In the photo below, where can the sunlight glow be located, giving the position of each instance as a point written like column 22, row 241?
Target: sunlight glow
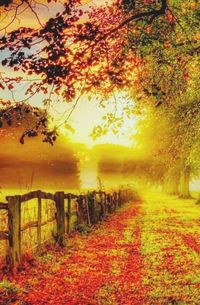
column 88, row 171
column 88, row 114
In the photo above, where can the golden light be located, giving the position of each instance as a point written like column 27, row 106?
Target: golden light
column 88, row 171
column 87, row 115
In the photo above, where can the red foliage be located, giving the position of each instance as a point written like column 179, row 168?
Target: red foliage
column 87, row 274
column 191, row 242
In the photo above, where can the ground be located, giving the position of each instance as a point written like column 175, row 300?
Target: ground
column 148, row 252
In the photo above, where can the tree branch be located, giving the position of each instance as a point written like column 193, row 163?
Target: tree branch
column 152, row 13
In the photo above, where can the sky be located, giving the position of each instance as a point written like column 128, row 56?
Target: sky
column 44, row 11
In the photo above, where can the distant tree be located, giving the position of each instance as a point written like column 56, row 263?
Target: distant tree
column 187, row 141
column 172, row 141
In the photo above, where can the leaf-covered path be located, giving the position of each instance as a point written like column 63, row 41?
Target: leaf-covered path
column 146, row 253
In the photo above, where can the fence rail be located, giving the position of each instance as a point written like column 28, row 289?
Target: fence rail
column 90, row 209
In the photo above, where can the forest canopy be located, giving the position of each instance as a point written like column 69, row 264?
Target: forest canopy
column 103, row 48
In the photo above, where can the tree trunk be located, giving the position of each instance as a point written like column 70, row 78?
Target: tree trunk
column 184, row 182
column 171, row 182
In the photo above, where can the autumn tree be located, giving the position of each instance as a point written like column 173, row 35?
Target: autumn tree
column 172, row 141
column 187, row 142
column 25, row 121
column 70, row 56
column 167, row 82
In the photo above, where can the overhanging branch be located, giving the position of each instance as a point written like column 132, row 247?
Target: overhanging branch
column 152, row 13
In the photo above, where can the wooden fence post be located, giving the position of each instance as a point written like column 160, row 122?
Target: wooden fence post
column 60, row 217
column 39, row 219
column 103, row 212
column 120, row 197
column 68, row 213
column 105, row 202
column 81, row 209
column 109, row 203
column 14, row 229
column 126, row 196
column 115, row 200
column 87, row 210
column 122, row 193
column 95, row 207
column 91, row 206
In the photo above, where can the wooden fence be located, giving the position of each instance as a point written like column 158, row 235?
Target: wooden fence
column 91, row 208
